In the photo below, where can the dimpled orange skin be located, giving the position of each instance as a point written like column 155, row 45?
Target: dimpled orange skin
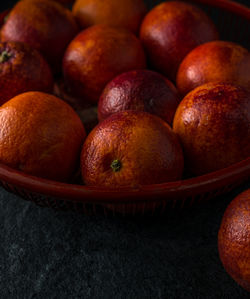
column 214, row 61
column 45, row 25
column 40, row 135
column 171, row 30
column 98, row 54
column 234, row 239
column 123, row 13
column 213, row 124
column 140, row 90
column 23, row 69
column 147, row 150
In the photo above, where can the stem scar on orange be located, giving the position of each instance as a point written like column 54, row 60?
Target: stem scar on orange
column 45, row 25
column 22, row 69
column 131, row 148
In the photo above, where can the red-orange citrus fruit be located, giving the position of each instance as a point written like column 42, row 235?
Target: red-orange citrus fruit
column 234, row 239
column 119, row 13
column 131, row 148
column 22, row 69
column 40, row 135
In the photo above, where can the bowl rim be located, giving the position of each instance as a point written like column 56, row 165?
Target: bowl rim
column 169, row 190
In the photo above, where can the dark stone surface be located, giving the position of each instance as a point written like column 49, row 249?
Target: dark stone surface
column 51, row 254
column 45, row 253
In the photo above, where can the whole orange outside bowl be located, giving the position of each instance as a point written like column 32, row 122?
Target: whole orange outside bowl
column 233, row 22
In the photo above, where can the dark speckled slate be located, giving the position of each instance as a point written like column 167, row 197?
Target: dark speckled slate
column 49, row 254
column 44, row 253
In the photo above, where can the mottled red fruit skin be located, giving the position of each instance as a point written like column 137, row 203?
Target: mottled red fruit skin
column 212, row 62
column 212, row 122
column 98, row 54
column 171, row 30
column 45, row 25
column 234, row 239
column 24, row 70
column 145, row 145
column 140, row 90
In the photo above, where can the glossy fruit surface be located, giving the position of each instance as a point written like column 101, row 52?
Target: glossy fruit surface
column 172, row 29
column 122, row 13
column 45, row 25
column 212, row 62
column 22, row 69
column 213, row 123
column 140, row 90
column 234, row 239
column 131, row 148
column 98, row 54
column 40, row 135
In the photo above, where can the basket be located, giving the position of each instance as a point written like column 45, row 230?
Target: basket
column 233, row 22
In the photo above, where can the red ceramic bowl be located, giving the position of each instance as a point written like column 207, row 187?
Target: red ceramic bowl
column 233, row 22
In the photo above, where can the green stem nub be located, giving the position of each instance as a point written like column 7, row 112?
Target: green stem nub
column 6, row 18
column 116, row 165
column 4, row 56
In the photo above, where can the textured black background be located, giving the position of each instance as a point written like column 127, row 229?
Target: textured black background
column 51, row 254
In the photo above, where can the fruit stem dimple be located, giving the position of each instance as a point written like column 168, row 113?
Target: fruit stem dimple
column 116, row 165
column 4, row 56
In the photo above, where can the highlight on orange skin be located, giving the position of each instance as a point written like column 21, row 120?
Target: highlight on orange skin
column 141, row 90
column 212, row 122
column 214, row 61
column 171, row 30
